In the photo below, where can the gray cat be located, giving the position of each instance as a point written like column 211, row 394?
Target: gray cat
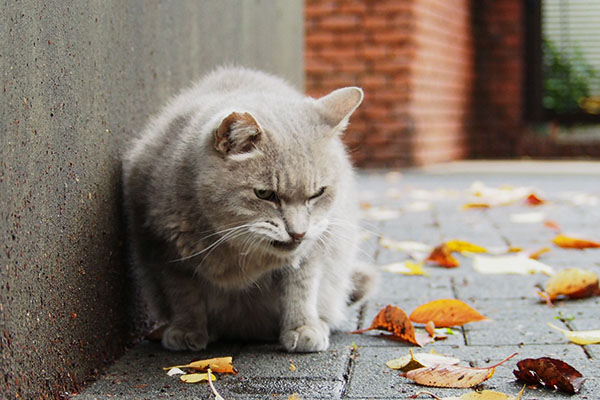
column 242, row 213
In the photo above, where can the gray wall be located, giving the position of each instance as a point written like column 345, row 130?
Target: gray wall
column 77, row 79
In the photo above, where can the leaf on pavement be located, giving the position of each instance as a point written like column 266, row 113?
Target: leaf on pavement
column 464, row 246
column 196, row 378
column 536, row 254
column 478, row 395
column 549, row 372
column 580, row 337
column 392, row 319
column 415, row 250
column 477, row 205
column 405, row 267
column 222, row 365
column 452, row 376
column 420, row 360
column 527, row 218
column 442, row 256
column 445, row 313
column 574, row 283
column 568, row 242
column 379, row 213
column 509, row 264
column 534, row 200
column 552, row 225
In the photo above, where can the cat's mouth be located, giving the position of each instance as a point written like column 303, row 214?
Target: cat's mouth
column 286, row 246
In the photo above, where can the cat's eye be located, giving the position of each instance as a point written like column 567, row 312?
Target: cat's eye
column 265, row 194
column 318, row 194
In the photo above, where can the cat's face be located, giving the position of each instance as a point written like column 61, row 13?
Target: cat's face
column 278, row 182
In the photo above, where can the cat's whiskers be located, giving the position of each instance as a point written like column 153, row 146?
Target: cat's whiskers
column 328, row 233
column 229, row 234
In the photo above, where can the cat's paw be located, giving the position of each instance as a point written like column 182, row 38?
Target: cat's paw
column 306, row 338
column 177, row 339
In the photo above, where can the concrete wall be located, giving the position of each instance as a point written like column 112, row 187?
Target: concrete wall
column 78, row 78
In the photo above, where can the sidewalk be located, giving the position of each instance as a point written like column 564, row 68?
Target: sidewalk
column 430, row 204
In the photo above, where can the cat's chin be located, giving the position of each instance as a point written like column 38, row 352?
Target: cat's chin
column 284, row 248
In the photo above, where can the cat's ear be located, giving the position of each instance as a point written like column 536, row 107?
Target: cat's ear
column 338, row 106
column 238, row 133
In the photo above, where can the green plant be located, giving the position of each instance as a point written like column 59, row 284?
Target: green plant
column 568, row 78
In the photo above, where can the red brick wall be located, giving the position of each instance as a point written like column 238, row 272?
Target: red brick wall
column 442, row 79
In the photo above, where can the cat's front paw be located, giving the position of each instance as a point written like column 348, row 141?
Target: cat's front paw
column 177, row 339
column 306, row 338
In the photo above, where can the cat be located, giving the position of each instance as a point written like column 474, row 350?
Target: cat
column 242, row 213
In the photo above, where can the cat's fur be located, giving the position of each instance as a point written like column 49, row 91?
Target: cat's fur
column 214, row 259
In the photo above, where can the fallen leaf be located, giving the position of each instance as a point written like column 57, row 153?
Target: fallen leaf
column 453, row 376
column 534, row 200
column 420, row 360
column 568, row 242
column 580, row 337
column 392, row 319
column 574, row 283
column 379, row 213
column 415, row 250
column 479, row 395
column 445, row 313
column 551, row 373
column 405, row 267
column 175, row 371
column 292, row 366
column 510, row 264
column 552, row 225
column 442, row 256
column 196, row 378
column 527, row 218
column 295, row 396
column 222, row 365
column 430, row 328
column 468, row 206
column 536, row 254
column 464, row 246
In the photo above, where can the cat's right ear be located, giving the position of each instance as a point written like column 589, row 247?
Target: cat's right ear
column 238, row 133
column 338, row 106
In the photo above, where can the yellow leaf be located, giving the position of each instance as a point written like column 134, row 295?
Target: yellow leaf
column 568, row 242
column 405, row 267
column 475, row 206
column 574, row 283
column 462, row 246
column 479, row 395
column 580, row 337
column 222, row 365
column 197, row 377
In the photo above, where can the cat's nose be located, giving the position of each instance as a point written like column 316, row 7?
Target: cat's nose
column 297, row 236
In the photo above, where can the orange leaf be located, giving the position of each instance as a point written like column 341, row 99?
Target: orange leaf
column 445, row 313
column 223, row 365
column 392, row 319
column 536, row 254
column 534, row 200
column 430, row 328
column 552, row 225
column 568, row 242
column 574, row 283
column 442, row 256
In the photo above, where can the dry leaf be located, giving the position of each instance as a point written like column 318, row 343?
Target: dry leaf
column 295, row 396
column 430, row 328
column 580, row 337
column 551, row 373
column 568, row 242
column 527, row 218
column 392, row 319
column 464, row 246
column 452, row 376
column 482, row 395
column 420, row 360
column 379, row 213
column 405, row 267
column 415, row 250
column 476, row 206
column 222, row 365
column 442, row 256
column 511, row 264
column 552, row 225
column 445, row 313
column 175, row 371
column 196, row 378
column 534, row 200
column 536, row 254
column 574, row 283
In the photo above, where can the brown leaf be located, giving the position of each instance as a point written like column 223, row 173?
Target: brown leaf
column 574, row 283
column 445, row 313
column 551, row 373
column 392, row 319
column 442, row 256
column 452, row 376
column 568, row 242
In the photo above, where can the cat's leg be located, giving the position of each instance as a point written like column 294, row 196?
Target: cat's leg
column 188, row 329
column 301, row 328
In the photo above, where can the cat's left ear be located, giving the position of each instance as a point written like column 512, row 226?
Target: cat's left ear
column 338, row 106
column 237, row 134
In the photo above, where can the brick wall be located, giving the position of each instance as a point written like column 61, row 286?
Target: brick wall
column 442, row 79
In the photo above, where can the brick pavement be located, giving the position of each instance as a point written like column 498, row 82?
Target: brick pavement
column 354, row 367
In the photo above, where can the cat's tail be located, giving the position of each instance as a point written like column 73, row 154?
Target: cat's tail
column 364, row 281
